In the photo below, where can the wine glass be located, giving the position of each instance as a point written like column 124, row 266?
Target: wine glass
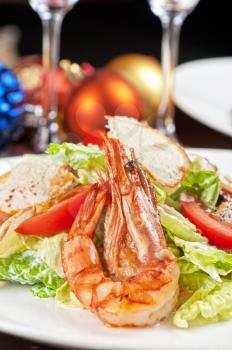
column 51, row 13
column 172, row 13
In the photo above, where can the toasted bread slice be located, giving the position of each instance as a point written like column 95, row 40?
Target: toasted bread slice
column 164, row 159
column 34, row 180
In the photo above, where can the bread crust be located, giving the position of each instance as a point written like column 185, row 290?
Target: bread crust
column 153, row 134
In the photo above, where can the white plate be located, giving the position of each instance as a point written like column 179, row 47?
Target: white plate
column 22, row 314
column 203, row 90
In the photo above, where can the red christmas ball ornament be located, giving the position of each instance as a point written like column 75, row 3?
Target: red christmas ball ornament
column 100, row 94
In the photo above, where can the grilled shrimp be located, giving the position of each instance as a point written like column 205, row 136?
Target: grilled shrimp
column 138, row 283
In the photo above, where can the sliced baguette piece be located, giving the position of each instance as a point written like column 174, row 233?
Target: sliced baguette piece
column 34, row 180
column 164, row 159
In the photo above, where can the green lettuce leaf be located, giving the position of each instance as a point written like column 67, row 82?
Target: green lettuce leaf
column 202, row 285
column 27, row 268
column 171, row 245
column 41, row 291
column 210, row 302
column 65, row 296
column 176, row 224
column 191, row 277
column 160, row 194
column 213, row 261
column 186, row 267
column 205, row 184
column 205, row 277
column 49, row 250
column 86, row 160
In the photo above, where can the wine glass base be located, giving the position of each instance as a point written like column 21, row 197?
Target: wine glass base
column 167, row 128
column 42, row 138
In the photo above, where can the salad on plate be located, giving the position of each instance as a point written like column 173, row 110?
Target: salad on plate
column 133, row 229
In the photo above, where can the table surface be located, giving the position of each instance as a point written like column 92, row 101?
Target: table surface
column 190, row 133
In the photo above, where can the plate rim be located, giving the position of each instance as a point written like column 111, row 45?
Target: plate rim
column 179, row 101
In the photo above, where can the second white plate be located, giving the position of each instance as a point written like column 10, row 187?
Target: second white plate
column 203, row 90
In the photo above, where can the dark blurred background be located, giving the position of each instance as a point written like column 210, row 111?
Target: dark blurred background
column 97, row 30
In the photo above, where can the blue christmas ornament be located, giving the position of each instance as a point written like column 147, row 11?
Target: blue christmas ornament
column 12, row 105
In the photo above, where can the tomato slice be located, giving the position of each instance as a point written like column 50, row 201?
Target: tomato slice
column 95, row 137
column 58, row 218
column 219, row 233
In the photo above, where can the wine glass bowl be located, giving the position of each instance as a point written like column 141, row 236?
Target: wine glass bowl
column 43, row 7
column 162, row 7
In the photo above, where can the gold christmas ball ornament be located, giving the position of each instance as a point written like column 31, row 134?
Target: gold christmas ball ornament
column 145, row 74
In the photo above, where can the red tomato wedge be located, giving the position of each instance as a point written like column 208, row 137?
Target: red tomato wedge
column 219, row 233
column 58, row 218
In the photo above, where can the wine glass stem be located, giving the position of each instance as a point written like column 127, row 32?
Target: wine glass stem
column 51, row 46
column 169, row 54
column 51, row 40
